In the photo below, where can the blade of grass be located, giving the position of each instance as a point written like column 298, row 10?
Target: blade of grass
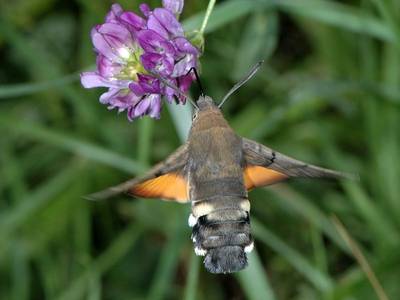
column 34, row 59
column 261, row 32
column 11, row 220
column 320, row 254
column 192, row 277
column 249, row 117
column 94, row 289
column 207, row 15
column 23, row 89
column 288, row 197
column 146, row 126
column 223, row 13
column 375, row 216
column 254, row 279
column 115, row 252
column 12, row 172
column 388, row 13
column 339, row 15
column 298, row 261
column 20, row 274
column 361, row 260
column 182, row 118
column 79, row 147
column 376, row 220
column 327, row 12
column 168, row 262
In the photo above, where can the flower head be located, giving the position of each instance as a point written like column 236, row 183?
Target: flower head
column 134, row 52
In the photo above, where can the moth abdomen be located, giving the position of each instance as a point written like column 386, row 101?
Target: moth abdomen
column 222, row 234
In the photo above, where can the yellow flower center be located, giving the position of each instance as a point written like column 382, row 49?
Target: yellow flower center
column 133, row 64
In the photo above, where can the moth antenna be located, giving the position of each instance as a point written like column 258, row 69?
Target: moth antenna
column 194, row 70
column 252, row 72
column 175, row 88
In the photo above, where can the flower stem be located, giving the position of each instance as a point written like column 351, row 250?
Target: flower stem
column 210, row 7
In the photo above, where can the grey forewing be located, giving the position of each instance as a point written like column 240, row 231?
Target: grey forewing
column 175, row 162
column 260, row 155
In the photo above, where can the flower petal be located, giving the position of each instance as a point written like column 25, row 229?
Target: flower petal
column 155, row 106
column 168, row 21
column 145, row 9
column 183, row 66
column 109, row 39
column 170, row 92
column 150, row 105
column 151, row 41
column 101, row 45
column 106, row 97
column 118, row 34
column 92, row 79
column 184, row 46
column 114, row 13
column 174, row 6
column 119, row 98
column 106, row 67
column 147, row 84
column 142, row 107
column 150, row 84
column 161, row 64
column 136, row 88
column 185, row 82
column 154, row 24
column 133, row 20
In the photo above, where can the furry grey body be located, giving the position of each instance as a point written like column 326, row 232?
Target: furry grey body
column 218, row 196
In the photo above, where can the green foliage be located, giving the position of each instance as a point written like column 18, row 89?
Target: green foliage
column 328, row 94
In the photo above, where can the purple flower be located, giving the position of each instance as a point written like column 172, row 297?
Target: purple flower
column 134, row 52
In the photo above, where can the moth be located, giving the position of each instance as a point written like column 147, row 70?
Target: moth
column 213, row 171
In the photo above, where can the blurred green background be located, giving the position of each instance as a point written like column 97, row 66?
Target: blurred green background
column 328, row 94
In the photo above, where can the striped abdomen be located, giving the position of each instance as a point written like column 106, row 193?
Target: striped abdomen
column 221, row 232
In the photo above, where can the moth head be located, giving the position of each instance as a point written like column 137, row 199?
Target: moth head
column 205, row 103
column 206, row 113
column 205, row 107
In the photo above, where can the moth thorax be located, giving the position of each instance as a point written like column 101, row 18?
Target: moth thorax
column 221, row 233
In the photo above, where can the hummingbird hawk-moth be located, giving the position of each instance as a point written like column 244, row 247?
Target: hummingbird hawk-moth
column 214, row 170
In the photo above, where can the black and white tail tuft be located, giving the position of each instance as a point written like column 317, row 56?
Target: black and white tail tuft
column 223, row 237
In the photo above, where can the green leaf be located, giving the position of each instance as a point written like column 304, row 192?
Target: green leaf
column 23, row 89
column 15, row 217
column 254, row 279
column 192, row 277
column 222, row 14
column 76, row 146
column 339, row 15
column 289, row 198
column 146, row 129
column 385, row 232
column 261, row 32
column 182, row 118
column 168, row 262
column 298, row 261
column 327, row 12
column 116, row 251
